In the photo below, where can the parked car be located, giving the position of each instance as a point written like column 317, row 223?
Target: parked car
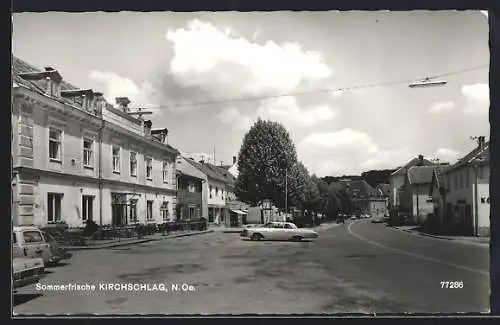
column 34, row 243
column 279, row 231
column 25, row 271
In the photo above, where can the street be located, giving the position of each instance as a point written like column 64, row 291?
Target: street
column 354, row 267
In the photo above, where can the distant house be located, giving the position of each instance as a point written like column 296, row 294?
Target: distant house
column 415, row 195
column 233, row 168
column 384, row 190
column 215, row 189
column 461, row 193
column 398, row 178
column 191, row 201
column 365, row 198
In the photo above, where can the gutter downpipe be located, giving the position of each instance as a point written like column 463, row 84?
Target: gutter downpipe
column 100, row 170
column 476, row 202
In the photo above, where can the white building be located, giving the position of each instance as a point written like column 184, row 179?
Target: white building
column 461, row 193
column 76, row 158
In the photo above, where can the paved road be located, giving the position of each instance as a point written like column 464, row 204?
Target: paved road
column 361, row 267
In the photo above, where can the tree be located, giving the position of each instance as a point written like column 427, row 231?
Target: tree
column 266, row 153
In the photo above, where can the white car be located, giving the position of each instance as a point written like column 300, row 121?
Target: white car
column 279, row 231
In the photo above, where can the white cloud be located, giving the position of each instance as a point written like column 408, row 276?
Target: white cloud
column 216, row 61
column 447, row 155
column 117, row 86
column 476, row 98
column 336, row 93
column 284, row 110
column 347, row 152
column 287, row 111
column 234, row 118
column 441, row 107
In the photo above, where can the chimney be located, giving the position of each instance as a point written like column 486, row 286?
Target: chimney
column 420, row 160
column 234, row 160
column 481, row 141
column 202, row 161
column 147, row 129
column 122, row 103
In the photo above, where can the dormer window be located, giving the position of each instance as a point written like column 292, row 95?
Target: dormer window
column 50, row 78
column 82, row 97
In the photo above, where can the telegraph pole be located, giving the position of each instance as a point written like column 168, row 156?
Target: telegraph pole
column 286, row 193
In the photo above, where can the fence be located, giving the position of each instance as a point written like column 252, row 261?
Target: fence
column 83, row 237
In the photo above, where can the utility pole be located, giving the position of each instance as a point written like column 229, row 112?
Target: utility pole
column 215, row 163
column 286, row 193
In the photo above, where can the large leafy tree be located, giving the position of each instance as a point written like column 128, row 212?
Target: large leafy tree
column 266, row 153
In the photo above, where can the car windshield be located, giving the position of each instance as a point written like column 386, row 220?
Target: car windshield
column 290, row 226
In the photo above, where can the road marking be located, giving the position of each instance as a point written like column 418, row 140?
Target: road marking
column 425, row 258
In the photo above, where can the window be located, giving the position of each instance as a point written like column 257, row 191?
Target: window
column 133, row 163
column 149, row 210
column 287, row 226
column 116, row 159
column 54, row 207
column 88, row 152
column 14, row 238
column 216, row 191
column 149, row 168
column 165, row 172
column 32, row 236
column 222, row 193
column 133, row 210
column 191, row 213
column 87, row 207
column 191, row 187
column 55, row 143
column 210, row 191
column 164, row 211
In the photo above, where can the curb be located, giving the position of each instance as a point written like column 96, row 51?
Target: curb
column 140, row 241
column 442, row 238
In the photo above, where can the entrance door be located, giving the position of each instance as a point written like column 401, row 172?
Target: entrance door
column 469, row 224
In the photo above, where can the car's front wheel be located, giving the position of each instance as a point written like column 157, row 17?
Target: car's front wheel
column 296, row 238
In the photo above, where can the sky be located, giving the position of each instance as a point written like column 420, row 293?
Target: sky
column 243, row 63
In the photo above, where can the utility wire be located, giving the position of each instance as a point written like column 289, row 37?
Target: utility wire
column 377, row 85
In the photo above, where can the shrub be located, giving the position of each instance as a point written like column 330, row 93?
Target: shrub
column 90, row 228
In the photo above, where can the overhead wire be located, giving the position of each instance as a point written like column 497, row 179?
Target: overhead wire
column 341, row 89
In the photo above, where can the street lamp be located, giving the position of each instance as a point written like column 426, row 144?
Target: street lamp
column 427, row 82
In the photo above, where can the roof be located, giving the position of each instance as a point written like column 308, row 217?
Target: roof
column 423, row 174
column 414, row 162
column 207, row 170
column 482, row 153
column 361, row 189
column 185, row 168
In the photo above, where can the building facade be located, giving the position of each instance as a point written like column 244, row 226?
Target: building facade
column 77, row 158
column 190, row 202
column 461, row 193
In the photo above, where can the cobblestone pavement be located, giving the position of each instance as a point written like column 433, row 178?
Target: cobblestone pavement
column 356, row 267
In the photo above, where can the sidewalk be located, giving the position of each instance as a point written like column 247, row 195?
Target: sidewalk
column 130, row 241
column 482, row 241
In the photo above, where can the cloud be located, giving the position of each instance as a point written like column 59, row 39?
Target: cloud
column 233, row 117
column 476, row 99
column 441, row 107
column 285, row 110
column 143, row 95
column 336, row 93
column 447, row 155
column 347, row 152
column 218, row 62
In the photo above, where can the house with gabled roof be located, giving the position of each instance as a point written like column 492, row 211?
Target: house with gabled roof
column 398, row 178
column 415, row 198
column 366, row 199
column 461, row 193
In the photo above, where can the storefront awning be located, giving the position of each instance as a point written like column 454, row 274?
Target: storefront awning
column 238, row 212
